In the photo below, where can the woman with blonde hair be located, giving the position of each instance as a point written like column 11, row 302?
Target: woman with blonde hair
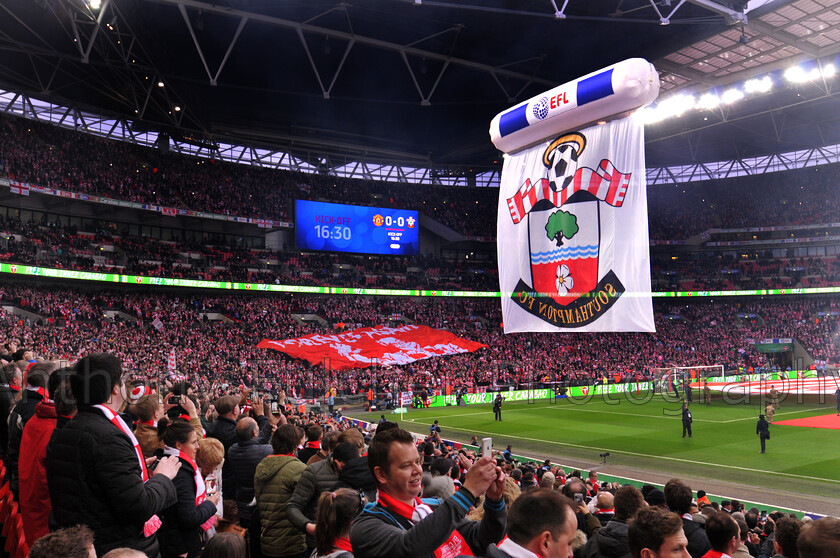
column 209, row 458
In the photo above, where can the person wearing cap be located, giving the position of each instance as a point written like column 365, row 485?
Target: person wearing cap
column 762, row 430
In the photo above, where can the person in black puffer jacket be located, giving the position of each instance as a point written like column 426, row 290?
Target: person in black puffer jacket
column 185, row 522
column 95, row 471
column 611, row 540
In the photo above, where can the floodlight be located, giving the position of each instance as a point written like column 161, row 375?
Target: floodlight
column 708, row 101
column 762, row 85
column 650, row 115
column 94, row 4
column 797, row 74
column 677, row 105
column 732, row 95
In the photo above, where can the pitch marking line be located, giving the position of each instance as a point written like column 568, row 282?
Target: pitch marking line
column 596, row 411
column 637, row 454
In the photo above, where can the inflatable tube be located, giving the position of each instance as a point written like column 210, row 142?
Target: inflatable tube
column 616, row 89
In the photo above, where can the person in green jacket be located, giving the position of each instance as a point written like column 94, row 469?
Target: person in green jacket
column 274, row 483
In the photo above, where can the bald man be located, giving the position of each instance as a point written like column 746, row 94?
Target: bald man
column 605, row 507
column 243, row 457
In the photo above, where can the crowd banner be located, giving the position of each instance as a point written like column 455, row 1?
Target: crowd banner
column 363, row 347
column 572, row 235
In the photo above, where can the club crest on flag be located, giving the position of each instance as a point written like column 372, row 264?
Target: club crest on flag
column 562, row 213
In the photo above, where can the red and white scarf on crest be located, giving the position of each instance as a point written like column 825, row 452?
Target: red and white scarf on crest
column 153, row 523
column 200, row 487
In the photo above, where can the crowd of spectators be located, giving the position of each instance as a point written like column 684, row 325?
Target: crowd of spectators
column 51, row 245
column 57, row 158
column 49, row 156
column 71, row 323
column 710, row 271
column 110, row 467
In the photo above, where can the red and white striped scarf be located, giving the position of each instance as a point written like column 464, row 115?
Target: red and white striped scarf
column 412, row 513
column 153, row 523
column 200, row 486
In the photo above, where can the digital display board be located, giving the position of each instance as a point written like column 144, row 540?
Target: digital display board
column 353, row 228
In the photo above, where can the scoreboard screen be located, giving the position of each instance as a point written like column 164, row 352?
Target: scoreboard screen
column 336, row 227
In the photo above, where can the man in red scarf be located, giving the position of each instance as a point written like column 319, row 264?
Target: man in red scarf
column 95, row 469
column 401, row 525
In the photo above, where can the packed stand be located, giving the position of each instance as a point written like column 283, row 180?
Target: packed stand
column 112, row 468
column 54, row 157
column 146, row 329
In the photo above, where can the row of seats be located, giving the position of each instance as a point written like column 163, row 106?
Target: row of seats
column 11, row 533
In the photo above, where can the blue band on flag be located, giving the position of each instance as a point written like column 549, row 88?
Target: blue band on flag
column 594, row 88
column 513, row 120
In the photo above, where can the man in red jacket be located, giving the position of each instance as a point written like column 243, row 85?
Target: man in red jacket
column 35, row 504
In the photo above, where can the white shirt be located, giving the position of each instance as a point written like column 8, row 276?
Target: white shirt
column 514, row 550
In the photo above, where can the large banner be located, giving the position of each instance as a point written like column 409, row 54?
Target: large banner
column 368, row 346
column 572, row 233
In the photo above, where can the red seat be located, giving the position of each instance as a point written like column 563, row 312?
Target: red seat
column 19, row 540
column 7, row 518
column 14, row 535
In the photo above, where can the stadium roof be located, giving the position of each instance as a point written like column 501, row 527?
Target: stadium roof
column 418, row 80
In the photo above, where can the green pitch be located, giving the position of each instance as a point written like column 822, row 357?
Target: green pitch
column 649, row 436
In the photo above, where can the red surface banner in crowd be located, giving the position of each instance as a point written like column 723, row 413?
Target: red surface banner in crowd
column 380, row 345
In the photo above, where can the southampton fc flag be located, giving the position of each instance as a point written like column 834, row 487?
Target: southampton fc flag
column 573, row 235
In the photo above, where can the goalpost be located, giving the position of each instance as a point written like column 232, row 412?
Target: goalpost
column 685, row 377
